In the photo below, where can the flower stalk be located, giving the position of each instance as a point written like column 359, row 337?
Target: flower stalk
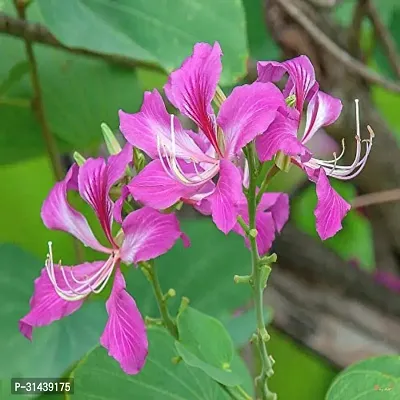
column 151, row 274
column 258, row 280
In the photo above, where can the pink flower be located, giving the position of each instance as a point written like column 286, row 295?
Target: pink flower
column 272, row 214
column 185, row 163
column 322, row 110
column 61, row 290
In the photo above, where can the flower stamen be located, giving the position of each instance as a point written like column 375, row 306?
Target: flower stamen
column 171, row 165
column 90, row 284
column 346, row 172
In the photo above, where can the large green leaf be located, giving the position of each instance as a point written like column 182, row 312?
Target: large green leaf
column 354, row 241
column 310, row 375
column 54, row 348
column 242, row 326
column 204, row 343
column 26, row 186
column 372, row 379
column 261, row 43
column 153, row 31
column 203, row 272
column 99, row 376
column 79, row 93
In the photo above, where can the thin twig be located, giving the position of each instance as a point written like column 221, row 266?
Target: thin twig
column 370, row 199
column 341, row 55
column 35, row 32
column 385, row 37
column 356, row 28
column 38, row 106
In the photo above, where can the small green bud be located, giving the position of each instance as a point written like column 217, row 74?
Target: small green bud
column 264, row 275
column 219, row 97
column 272, row 360
column 268, row 260
column 79, row 159
column 112, row 143
column 291, row 100
column 139, row 159
column 226, row 366
column 152, row 321
column 253, row 233
column 242, row 279
column 283, row 162
column 171, row 293
column 184, row 304
column 263, row 334
column 254, row 338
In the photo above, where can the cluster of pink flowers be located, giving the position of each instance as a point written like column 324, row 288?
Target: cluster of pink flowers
column 206, row 169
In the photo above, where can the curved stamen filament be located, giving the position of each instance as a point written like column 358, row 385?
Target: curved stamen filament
column 346, row 172
column 94, row 283
column 171, row 165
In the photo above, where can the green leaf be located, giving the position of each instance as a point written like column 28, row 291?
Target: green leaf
column 372, row 379
column 261, row 44
column 354, row 241
column 162, row 34
column 204, row 343
column 20, row 135
column 99, row 376
column 79, row 93
column 242, row 326
column 27, row 185
column 203, row 272
column 54, row 348
column 14, row 75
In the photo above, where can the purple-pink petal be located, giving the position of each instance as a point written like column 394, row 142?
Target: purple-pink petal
column 155, row 188
column 226, row 196
column 265, row 231
column 148, row 234
column 153, row 123
column 117, row 212
column 323, row 110
column 301, row 81
column 278, row 205
column 191, row 87
column 246, row 113
column 281, row 136
column 125, row 335
column 95, row 179
column 265, row 226
column 46, row 306
column 57, row 213
column 331, row 207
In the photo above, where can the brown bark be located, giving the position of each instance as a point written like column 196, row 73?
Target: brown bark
column 310, row 260
column 332, row 324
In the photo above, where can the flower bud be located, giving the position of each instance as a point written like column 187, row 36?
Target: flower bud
column 112, row 144
column 79, row 159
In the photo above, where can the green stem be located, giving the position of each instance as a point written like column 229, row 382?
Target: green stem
column 160, row 298
column 257, row 283
column 243, row 393
column 49, row 140
column 17, row 102
column 268, row 177
column 38, row 106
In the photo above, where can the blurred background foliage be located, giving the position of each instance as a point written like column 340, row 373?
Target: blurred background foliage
column 119, row 49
